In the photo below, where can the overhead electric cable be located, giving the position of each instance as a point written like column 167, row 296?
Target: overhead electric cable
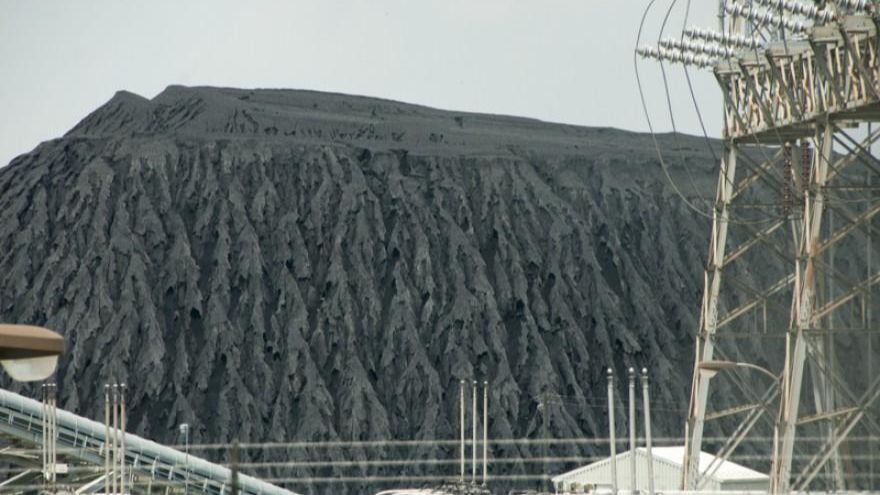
column 650, row 124
column 659, row 152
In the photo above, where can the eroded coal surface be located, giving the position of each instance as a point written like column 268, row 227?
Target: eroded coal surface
column 289, row 265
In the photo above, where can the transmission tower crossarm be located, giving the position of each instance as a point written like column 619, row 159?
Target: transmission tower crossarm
column 858, row 62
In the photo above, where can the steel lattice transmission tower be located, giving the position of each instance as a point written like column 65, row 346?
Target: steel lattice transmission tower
column 789, row 274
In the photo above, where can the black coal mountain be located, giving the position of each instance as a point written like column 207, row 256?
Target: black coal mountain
column 276, row 265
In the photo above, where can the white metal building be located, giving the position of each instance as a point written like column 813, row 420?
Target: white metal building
column 729, row 476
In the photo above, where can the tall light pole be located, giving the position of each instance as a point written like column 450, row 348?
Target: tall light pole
column 485, row 432
column 463, row 406
column 184, row 430
column 474, row 442
column 612, row 441
column 543, row 409
column 107, row 453
column 632, row 432
column 122, row 422
column 648, row 441
column 114, row 392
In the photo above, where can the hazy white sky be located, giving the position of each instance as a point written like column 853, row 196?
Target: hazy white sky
column 557, row 60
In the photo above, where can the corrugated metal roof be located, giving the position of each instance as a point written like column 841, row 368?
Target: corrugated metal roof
column 727, row 471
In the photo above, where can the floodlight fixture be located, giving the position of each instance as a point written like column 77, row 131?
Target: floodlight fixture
column 710, row 368
column 29, row 353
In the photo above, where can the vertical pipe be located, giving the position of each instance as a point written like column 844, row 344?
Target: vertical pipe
column 544, row 408
column 647, row 407
column 186, row 453
column 50, row 445
column 462, row 425
column 45, row 446
column 233, row 461
column 106, row 438
column 632, row 431
column 612, row 440
column 49, row 433
column 115, row 393
column 54, row 437
column 474, row 444
column 867, row 312
column 122, row 420
column 485, row 432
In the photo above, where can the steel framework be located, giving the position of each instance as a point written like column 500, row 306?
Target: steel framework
column 82, row 444
column 789, row 275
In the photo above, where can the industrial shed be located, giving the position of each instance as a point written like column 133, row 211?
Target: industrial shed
column 730, row 476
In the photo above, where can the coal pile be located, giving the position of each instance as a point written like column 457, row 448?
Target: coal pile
column 276, row 265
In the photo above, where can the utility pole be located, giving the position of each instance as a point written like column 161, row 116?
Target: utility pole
column 648, row 441
column 44, row 450
column 474, row 443
column 114, row 389
column 485, row 433
column 106, row 446
column 233, row 463
column 184, row 430
column 612, row 440
column 633, row 484
column 462, row 406
column 122, row 422
column 543, row 408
